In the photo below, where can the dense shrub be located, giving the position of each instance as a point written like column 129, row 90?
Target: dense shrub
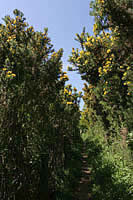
column 37, row 112
column 111, row 168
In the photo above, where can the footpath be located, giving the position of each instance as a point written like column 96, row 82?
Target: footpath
column 82, row 192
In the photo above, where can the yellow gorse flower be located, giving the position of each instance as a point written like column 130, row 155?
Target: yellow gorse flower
column 64, row 77
column 108, row 51
column 65, row 91
column 105, row 92
column 81, row 52
column 87, row 53
column 14, row 21
column 86, row 62
column 73, row 50
column 8, row 75
column 89, row 38
column 125, row 74
column 13, row 75
column 128, row 82
column 69, row 103
column 100, row 1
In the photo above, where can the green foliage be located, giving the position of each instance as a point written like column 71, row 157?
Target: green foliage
column 110, row 165
column 35, row 113
column 113, row 13
column 105, row 63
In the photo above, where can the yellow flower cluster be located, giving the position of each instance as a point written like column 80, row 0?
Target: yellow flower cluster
column 69, row 103
column 12, row 50
column 94, row 28
column 102, row 39
column 9, row 74
column 69, row 92
column 124, row 74
column 14, row 22
column 65, row 91
column 54, row 55
column 107, row 67
column 100, row 1
column 87, row 53
column 31, row 29
column 100, row 71
column 11, row 38
column 64, row 77
column 90, row 41
column 81, row 53
column 127, row 83
column 86, row 62
column 105, row 89
column 109, row 50
column 102, row 46
column 73, row 50
column 105, row 92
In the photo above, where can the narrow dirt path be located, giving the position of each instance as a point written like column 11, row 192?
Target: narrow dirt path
column 82, row 192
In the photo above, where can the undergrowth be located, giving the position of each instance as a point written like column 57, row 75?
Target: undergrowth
column 111, row 167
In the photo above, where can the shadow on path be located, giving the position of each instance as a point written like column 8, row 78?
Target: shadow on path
column 82, row 192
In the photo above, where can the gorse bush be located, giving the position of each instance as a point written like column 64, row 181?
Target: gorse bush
column 104, row 60
column 37, row 114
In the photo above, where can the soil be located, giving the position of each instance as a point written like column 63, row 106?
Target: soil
column 82, row 192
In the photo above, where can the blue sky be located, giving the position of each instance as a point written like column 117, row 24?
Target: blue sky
column 63, row 18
